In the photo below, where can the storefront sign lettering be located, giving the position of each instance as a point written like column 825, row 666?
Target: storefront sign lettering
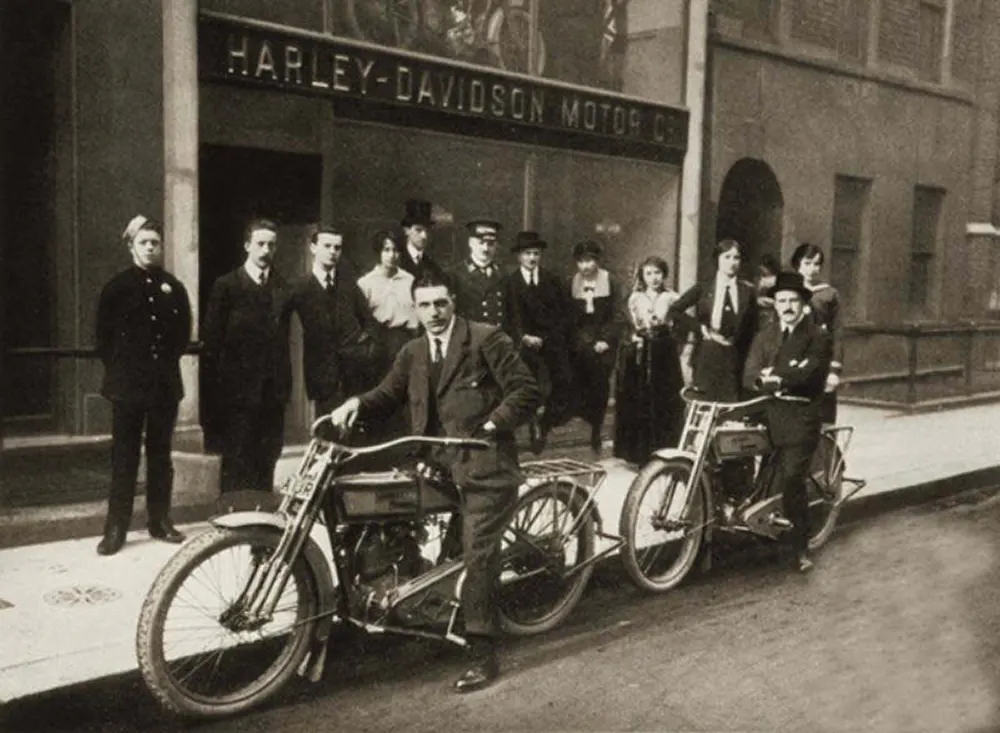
column 241, row 52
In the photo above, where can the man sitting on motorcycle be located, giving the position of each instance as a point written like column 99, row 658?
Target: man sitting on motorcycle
column 790, row 357
column 463, row 379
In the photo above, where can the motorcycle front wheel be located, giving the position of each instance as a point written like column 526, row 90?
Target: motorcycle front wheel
column 543, row 551
column 659, row 552
column 197, row 658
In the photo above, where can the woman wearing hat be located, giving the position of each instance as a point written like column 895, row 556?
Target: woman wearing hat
column 143, row 327
column 824, row 308
column 593, row 336
column 648, row 408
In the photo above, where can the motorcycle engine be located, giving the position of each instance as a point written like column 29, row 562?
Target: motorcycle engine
column 387, row 556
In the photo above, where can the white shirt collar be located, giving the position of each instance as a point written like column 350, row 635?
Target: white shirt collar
column 254, row 272
column 415, row 254
column 320, row 274
column 791, row 326
column 444, row 336
column 527, row 275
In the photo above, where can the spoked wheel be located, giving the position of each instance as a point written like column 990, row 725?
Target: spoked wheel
column 659, row 550
column 509, row 35
column 824, row 487
column 198, row 654
column 389, row 22
column 542, row 547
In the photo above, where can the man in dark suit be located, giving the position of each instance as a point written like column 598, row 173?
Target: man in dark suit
column 417, row 223
column 247, row 361
column 143, row 327
column 791, row 356
column 479, row 289
column 339, row 350
column 537, row 318
column 463, row 379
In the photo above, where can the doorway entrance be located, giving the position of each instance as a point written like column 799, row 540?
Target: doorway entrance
column 751, row 208
column 239, row 184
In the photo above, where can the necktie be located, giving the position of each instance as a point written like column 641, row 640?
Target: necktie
column 531, row 279
column 438, row 354
column 263, row 278
column 727, row 324
column 784, row 334
column 329, row 280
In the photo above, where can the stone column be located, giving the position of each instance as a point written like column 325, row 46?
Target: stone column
column 180, row 170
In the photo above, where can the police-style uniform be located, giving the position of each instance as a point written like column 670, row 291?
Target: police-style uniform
column 143, row 327
column 479, row 289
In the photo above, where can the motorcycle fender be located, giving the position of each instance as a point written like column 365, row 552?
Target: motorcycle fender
column 677, row 453
column 312, row 665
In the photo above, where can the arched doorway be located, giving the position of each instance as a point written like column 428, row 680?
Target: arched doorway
column 750, row 211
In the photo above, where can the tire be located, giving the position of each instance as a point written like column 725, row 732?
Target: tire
column 176, row 693
column 388, row 22
column 508, row 34
column 535, row 596
column 824, row 488
column 635, row 526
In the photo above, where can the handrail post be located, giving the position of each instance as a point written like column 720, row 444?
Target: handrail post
column 970, row 334
column 911, row 352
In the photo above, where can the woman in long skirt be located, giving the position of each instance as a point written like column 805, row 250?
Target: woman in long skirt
column 648, row 408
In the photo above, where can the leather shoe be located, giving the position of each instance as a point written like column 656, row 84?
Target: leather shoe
column 804, row 563
column 167, row 532
column 482, row 672
column 112, row 541
column 595, row 441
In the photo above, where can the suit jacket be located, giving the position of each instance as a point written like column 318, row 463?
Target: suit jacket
column 338, row 330
column 143, row 327
column 702, row 297
column 542, row 310
column 482, row 379
column 245, row 337
column 802, row 363
column 426, row 262
column 478, row 297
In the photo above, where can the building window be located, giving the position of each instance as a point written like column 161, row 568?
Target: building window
column 747, row 18
column 853, row 29
column 927, row 206
column 848, row 241
column 931, row 22
column 837, row 25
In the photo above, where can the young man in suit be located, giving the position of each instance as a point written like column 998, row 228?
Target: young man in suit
column 479, row 290
column 463, row 379
column 417, row 223
column 339, row 350
column 791, row 356
column 247, row 362
column 537, row 318
column 143, row 327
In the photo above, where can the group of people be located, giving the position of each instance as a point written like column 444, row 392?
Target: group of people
column 472, row 352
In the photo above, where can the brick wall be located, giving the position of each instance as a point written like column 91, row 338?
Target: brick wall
column 965, row 40
column 816, row 21
column 899, row 32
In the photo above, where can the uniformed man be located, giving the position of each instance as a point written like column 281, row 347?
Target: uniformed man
column 143, row 327
column 478, row 280
column 416, row 225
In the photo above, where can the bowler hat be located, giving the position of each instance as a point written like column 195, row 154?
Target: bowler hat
column 587, row 248
column 417, row 212
column 484, row 228
column 528, row 240
column 790, row 281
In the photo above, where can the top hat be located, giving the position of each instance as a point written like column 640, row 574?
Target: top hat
column 417, row 212
column 528, row 240
column 586, row 249
column 790, row 281
column 483, row 228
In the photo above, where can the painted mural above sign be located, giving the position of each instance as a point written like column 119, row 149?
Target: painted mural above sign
column 368, row 82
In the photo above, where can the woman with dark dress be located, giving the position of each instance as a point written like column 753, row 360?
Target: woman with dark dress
column 767, row 275
column 824, row 308
column 724, row 321
column 593, row 336
column 649, row 411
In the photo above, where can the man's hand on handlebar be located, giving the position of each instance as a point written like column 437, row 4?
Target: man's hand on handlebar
column 343, row 417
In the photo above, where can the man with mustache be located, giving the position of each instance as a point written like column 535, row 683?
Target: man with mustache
column 247, row 363
column 791, row 357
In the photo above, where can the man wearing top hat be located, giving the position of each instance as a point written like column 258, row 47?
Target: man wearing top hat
column 478, row 280
column 790, row 356
column 536, row 315
column 143, row 327
column 416, row 224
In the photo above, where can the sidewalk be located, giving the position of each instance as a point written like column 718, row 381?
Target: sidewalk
column 68, row 615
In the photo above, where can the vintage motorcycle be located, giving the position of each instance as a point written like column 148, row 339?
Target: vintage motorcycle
column 679, row 497
column 242, row 607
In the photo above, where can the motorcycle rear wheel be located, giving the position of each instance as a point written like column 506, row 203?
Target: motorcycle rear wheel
column 184, row 605
column 542, row 547
column 824, row 488
column 659, row 558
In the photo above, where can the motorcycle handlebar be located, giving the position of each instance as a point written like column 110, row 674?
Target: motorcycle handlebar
column 689, row 394
column 471, row 443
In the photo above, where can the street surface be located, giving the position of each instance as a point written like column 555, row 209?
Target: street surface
column 897, row 629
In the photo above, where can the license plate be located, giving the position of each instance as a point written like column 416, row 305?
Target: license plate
column 297, row 487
